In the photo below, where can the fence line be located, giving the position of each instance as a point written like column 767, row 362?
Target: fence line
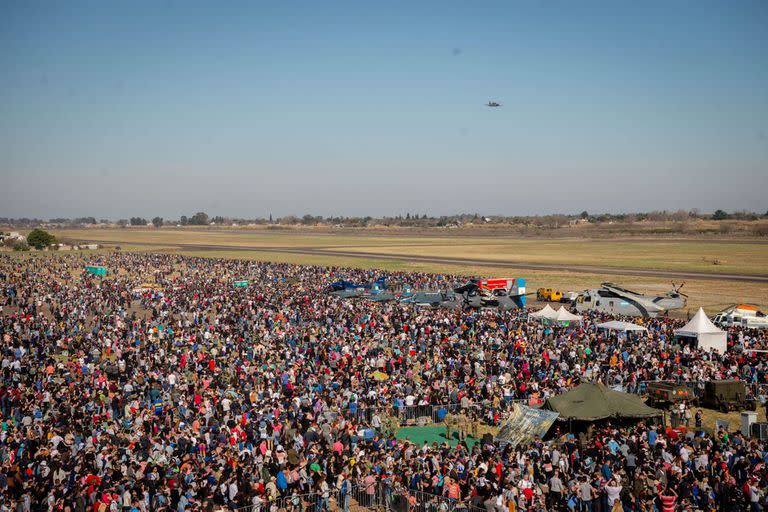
column 379, row 497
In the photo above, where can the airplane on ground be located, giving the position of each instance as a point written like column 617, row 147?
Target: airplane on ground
column 349, row 285
column 612, row 299
column 502, row 293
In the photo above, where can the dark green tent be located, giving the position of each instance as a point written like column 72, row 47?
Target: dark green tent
column 590, row 402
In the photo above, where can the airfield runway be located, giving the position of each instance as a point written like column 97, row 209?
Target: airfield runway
column 585, row 269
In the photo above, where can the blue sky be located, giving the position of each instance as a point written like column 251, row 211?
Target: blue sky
column 116, row 109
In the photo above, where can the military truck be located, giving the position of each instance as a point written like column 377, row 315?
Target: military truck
column 727, row 395
column 667, row 393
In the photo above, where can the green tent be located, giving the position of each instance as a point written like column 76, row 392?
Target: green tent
column 241, row 284
column 590, row 402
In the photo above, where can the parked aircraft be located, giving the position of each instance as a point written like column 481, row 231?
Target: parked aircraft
column 612, row 299
column 742, row 315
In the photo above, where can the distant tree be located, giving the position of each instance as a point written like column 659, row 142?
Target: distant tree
column 157, row 222
column 584, row 214
column 183, row 220
column 270, row 218
column 199, row 219
column 407, row 216
column 138, row 221
column 40, row 239
column 719, row 215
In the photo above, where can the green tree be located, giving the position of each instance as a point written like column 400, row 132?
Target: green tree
column 157, row 222
column 199, row 219
column 719, row 215
column 584, row 214
column 138, row 221
column 40, row 239
column 122, row 223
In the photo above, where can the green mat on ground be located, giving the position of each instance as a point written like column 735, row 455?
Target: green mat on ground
column 420, row 435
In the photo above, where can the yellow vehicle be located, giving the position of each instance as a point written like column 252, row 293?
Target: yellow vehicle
column 549, row 295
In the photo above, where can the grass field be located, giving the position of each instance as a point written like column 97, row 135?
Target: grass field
column 712, row 256
column 734, row 256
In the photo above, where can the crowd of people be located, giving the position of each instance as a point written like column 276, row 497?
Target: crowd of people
column 163, row 387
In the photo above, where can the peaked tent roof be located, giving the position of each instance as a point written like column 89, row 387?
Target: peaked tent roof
column 590, row 402
column 617, row 325
column 699, row 324
column 545, row 312
column 563, row 315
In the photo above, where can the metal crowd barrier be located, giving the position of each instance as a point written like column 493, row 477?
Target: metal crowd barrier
column 378, row 497
column 309, row 502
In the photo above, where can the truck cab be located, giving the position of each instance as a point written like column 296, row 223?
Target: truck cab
column 549, row 294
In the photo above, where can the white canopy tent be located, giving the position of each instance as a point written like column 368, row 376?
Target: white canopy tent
column 545, row 312
column 562, row 316
column 616, row 325
column 565, row 316
column 708, row 335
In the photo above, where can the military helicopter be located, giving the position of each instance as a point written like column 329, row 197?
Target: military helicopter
column 492, row 104
column 613, row 299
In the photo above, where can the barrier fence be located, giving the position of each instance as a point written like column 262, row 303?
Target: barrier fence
column 379, row 497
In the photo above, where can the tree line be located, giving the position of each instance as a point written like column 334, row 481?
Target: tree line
column 405, row 219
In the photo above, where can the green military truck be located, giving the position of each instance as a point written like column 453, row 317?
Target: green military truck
column 727, row 395
column 667, row 393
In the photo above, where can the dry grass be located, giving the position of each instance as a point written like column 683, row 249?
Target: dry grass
column 731, row 256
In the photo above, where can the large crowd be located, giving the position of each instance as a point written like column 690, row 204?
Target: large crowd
column 163, row 387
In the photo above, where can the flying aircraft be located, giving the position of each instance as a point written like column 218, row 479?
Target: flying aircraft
column 492, row 104
column 612, row 299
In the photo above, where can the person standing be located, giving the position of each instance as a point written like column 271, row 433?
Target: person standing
column 668, row 498
column 344, row 489
column 755, row 494
column 613, row 490
column 586, row 495
column 556, row 490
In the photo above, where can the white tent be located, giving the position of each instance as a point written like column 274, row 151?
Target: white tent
column 708, row 335
column 545, row 312
column 565, row 316
column 616, row 325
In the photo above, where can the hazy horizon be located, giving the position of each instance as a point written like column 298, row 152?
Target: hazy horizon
column 246, row 109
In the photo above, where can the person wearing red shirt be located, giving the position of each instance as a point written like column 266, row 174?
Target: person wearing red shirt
column 668, row 498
